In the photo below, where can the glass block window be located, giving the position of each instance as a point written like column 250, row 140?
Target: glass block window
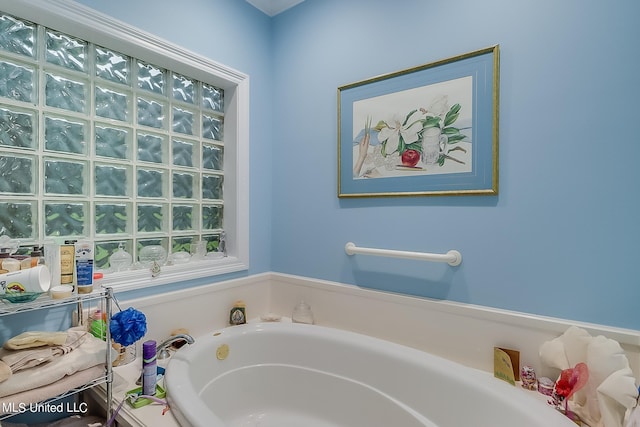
column 97, row 144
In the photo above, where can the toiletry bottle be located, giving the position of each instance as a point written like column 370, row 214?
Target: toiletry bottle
column 25, row 263
column 10, row 264
column 52, row 261
column 67, row 263
column 149, row 368
column 3, row 256
column 97, row 326
column 97, row 280
column 34, row 259
column 37, row 256
column 238, row 315
column 84, row 266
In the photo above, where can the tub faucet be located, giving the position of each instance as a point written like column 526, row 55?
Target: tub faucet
column 162, row 351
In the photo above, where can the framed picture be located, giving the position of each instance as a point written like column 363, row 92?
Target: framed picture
column 428, row 130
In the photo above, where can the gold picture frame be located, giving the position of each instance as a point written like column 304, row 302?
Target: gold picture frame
column 431, row 130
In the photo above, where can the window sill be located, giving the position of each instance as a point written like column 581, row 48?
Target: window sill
column 138, row 279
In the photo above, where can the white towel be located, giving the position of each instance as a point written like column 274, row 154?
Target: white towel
column 48, row 391
column 5, row 371
column 92, row 352
column 634, row 418
column 35, row 339
column 31, row 357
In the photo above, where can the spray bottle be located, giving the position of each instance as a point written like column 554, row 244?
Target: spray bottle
column 149, row 368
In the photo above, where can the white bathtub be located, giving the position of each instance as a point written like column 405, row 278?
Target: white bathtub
column 295, row 375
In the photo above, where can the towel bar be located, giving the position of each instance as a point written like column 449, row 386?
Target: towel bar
column 453, row 257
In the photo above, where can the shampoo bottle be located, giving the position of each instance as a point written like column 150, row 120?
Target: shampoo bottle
column 149, row 368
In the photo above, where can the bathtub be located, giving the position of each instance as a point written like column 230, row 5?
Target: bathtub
column 296, row 375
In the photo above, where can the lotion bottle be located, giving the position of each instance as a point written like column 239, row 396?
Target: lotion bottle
column 84, row 266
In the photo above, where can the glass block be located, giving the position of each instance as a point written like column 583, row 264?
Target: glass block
column 111, row 180
column 64, row 93
column 17, row 128
column 112, row 142
column 19, row 174
column 64, row 135
column 150, row 78
column 213, row 241
column 183, row 121
column 212, row 217
column 182, row 243
column 17, row 82
column 64, row 177
column 112, row 104
column 183, row 185
column 112, row 218
column 212, row 98
column 182, row 153
column 151, row 183
column 105, row 249
column 183, row 217
column 212, row 127
column 212, row 157
column 151, row 218
column 151, row 148
column 212, row 186
column 17, row 36
column 65, row 219
column 66, row 51
column 184, row 89
column 17, row 219
column 150, row 113
column 112, row 66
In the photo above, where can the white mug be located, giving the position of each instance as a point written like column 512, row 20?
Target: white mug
column 433, row 143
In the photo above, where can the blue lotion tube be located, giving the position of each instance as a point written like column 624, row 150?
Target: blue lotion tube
column 149, row 368
column 84, row 266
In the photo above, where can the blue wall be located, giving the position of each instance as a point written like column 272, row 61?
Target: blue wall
column 561, row 237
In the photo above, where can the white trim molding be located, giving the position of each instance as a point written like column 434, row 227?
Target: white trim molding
column 464, row 333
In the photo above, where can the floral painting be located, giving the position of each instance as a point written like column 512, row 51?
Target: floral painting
column 429, row 130
column 426, row 130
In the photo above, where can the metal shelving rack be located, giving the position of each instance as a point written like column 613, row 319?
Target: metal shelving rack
column 45, row 302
